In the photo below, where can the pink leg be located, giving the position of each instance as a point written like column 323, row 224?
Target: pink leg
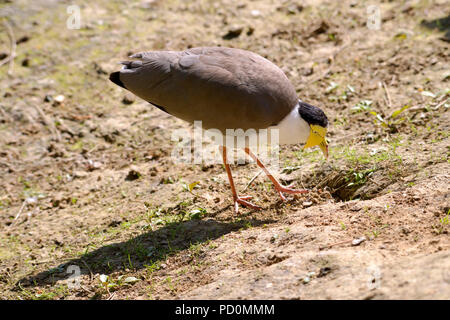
column 275, row 182
column 237, row 200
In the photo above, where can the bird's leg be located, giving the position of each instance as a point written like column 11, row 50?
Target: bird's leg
column 236, row 199
column 275, row 182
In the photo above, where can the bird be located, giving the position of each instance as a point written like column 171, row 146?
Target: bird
column 226, row 88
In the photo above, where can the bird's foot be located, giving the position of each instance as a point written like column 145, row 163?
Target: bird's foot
column 243, row 201
column 288, row 189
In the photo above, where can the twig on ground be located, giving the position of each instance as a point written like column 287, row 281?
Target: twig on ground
column 111, row 295
column 422, row 107
column 301, row 181
column 387, row 94
column 64, row 128
column 86, row 290
column 92, row 149
column 440, row 104
column 354, row 242
column 24, row 203
column 91, row 277
column 252, row 179
column 12, row 54
column 335, row 244
column 5, row 115
column 49, row 124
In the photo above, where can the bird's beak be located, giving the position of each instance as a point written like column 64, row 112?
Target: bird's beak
column 324, row 147
column 317, row 138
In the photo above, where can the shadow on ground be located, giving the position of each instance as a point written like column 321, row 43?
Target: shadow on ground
column 145, row 250
column 442, row 24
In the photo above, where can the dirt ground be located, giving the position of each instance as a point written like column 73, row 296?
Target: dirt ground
column 87, row 182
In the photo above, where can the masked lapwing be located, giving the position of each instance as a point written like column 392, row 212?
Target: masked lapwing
column 226, row 88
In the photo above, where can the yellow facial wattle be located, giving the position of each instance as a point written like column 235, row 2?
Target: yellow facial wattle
column 317, row 138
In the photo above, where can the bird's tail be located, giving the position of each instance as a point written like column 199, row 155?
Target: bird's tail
column 115, row 77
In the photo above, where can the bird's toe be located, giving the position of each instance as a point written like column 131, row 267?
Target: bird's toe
column 289, row 190
column 243, row 202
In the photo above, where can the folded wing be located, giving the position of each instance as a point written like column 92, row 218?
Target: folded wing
column 225, row 88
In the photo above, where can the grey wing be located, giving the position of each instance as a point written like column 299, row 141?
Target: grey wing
column 224, row 88
column 149, row 76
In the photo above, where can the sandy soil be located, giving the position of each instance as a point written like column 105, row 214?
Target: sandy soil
column 87, row 181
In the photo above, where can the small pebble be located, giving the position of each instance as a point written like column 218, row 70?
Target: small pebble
column 234, row 32
column 133, row 174
column 307, row 204
column 128, row 99
column 59, row 98
column 131, row 280
column 357, row 242
column 324, row 271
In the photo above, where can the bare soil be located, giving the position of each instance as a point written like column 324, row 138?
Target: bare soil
column 87, row 178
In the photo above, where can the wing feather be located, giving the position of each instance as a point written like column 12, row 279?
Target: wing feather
column 223, row 87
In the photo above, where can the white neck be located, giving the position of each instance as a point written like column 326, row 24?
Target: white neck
column 293, row 129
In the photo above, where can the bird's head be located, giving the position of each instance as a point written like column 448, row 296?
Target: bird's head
column 318, row 123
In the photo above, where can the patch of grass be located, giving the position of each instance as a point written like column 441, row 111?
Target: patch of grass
column 190, row 187
column 440, row 227
column 152, row 267
column 175, row 215
column 77, row 146
column 170, row 284
column 168, row 180
column 125, row 225
column 59, row 291
column 332, row 87
column 195, row 249
column 359, row 156
column 247, row 225
column 363, row 105
column 212, row 245
column 390, row 122
column 197, row 214
column 358, row 178
column 313, row 155
column 340, row 121
column 348, row 92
